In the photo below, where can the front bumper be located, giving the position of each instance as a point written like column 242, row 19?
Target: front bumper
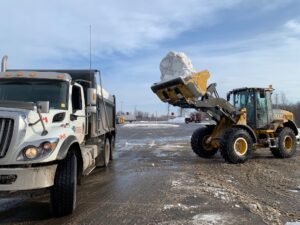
column 18, row 179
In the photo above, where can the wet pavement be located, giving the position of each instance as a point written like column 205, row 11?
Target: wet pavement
column 155, row 178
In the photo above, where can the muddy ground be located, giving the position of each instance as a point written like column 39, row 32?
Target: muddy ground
column 157, row 179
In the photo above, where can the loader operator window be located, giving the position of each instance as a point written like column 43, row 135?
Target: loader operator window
column 76, row 98
column 240, row 100
column 34, row 90
column 245, row 99
column 261, row 105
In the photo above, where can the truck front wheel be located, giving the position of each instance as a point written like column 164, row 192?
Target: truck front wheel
column 63, row 193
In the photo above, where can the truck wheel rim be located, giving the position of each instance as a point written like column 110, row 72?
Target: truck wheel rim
column 288, row 143
column 240, row 146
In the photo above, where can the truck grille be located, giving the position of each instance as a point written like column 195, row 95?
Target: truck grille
column 7, row 179
column 6, row 132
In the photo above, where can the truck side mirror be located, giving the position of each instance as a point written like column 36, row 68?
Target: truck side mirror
column 91, row 96
column 43, row 106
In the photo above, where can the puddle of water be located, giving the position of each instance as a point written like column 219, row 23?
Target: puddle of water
column 150, row 125
column 151, row 142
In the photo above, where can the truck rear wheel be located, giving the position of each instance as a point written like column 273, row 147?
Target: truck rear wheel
column 198, row 143
column 112, row 147
column 286, row 143
column 106, row 152
column 236, row 145
column 63, row 193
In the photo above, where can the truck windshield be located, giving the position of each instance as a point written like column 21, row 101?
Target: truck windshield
column 34, row 90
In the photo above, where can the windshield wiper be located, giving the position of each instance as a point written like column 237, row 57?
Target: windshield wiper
column 44, row 132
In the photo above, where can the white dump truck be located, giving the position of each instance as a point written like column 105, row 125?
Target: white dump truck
column 55, row 127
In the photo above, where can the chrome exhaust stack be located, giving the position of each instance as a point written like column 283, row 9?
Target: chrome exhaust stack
column 4, row 63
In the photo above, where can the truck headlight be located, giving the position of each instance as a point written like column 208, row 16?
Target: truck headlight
column 48, row 146
column 32, row 152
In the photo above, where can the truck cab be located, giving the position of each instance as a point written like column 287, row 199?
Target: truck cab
column 55, row 127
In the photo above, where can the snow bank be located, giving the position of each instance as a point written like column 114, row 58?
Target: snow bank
column 177, row 120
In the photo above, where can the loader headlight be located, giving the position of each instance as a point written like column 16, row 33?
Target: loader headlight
column 45, row 148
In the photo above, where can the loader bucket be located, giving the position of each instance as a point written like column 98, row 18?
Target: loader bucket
column 182, row 91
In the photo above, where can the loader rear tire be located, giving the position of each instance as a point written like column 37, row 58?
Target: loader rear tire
column 63, row 193
column 286, row 143
column 198, row 143
column 236, row 145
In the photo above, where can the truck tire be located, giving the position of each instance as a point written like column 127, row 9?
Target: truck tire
column 106, row 153
column 112, row 147
column 63, row 193
column 236, row 145
column 287, row 143
column 198, row 143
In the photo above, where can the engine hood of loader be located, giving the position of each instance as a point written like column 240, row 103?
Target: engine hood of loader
column 283, row 115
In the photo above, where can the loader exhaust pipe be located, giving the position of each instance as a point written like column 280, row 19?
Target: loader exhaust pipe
column 4, row 63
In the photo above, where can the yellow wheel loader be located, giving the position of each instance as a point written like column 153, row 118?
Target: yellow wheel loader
column 244, row 122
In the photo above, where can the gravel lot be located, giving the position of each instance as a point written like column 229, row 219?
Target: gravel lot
column 157, row 179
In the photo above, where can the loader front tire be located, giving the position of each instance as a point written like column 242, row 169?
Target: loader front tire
column 199, row 145
column 63, row 193
column 286, row 143
column 236, row 145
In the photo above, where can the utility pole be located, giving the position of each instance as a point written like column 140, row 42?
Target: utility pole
column 276, row 100
column 121, row 106
column 180, row 112
column 168, row 111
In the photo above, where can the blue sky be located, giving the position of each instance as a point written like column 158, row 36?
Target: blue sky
column 241, row 42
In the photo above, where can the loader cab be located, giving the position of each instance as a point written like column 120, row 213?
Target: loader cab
column 258, row 104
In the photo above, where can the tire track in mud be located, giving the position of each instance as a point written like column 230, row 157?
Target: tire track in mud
column 260, row 187
column 278, row 188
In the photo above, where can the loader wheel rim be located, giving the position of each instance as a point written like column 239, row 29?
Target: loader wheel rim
column 288, row 143
column 240, row 146
column 206, row 146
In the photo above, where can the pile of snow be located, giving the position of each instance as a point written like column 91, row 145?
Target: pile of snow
column 175, row 64
column 177, row 120
column 212, row 218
